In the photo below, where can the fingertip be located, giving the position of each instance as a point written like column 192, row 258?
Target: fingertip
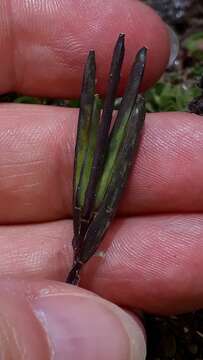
column 82, row 325
column 50, row 63
column 48, row 319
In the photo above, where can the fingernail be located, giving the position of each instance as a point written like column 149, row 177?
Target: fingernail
column 85, row 327
column 175, row 47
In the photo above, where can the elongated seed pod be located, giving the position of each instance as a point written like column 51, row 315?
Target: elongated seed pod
column 102, row 138
column 86, row 107
column 108, row 208
column 89, row 152
column 103, row 158
column 117, row 133
column 82, row 223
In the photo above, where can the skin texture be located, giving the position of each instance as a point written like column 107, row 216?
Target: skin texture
column 153, row 251
column 41, row 59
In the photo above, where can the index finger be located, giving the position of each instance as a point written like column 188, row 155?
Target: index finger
column 44, row 44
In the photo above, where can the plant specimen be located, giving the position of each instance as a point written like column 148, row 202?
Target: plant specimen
column 104, row 152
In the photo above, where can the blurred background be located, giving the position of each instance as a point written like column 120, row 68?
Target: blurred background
column 180, row 88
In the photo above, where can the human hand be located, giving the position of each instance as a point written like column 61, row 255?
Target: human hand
column 154, row 250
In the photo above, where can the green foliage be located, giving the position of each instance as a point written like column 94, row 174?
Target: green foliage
column 178, row 88
column 28, row 100
column 194, row 45
column 165, row 96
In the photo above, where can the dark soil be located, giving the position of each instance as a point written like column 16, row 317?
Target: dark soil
column 179, row 337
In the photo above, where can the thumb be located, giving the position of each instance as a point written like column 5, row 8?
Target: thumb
column 56, row 321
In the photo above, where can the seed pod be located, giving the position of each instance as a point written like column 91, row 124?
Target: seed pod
column 103, row 158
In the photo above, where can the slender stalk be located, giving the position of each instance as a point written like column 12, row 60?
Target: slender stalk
column 74, row 275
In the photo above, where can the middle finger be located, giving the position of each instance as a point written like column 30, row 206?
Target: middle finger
column 36, row 163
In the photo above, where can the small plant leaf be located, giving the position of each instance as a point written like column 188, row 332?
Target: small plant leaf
column 117, row 133
column 89, row 153
column 84, row 121
column 102, row 138
column 86, row 106
column 81, row 224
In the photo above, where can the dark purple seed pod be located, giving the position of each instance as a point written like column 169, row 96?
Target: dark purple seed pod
column 103, row 158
